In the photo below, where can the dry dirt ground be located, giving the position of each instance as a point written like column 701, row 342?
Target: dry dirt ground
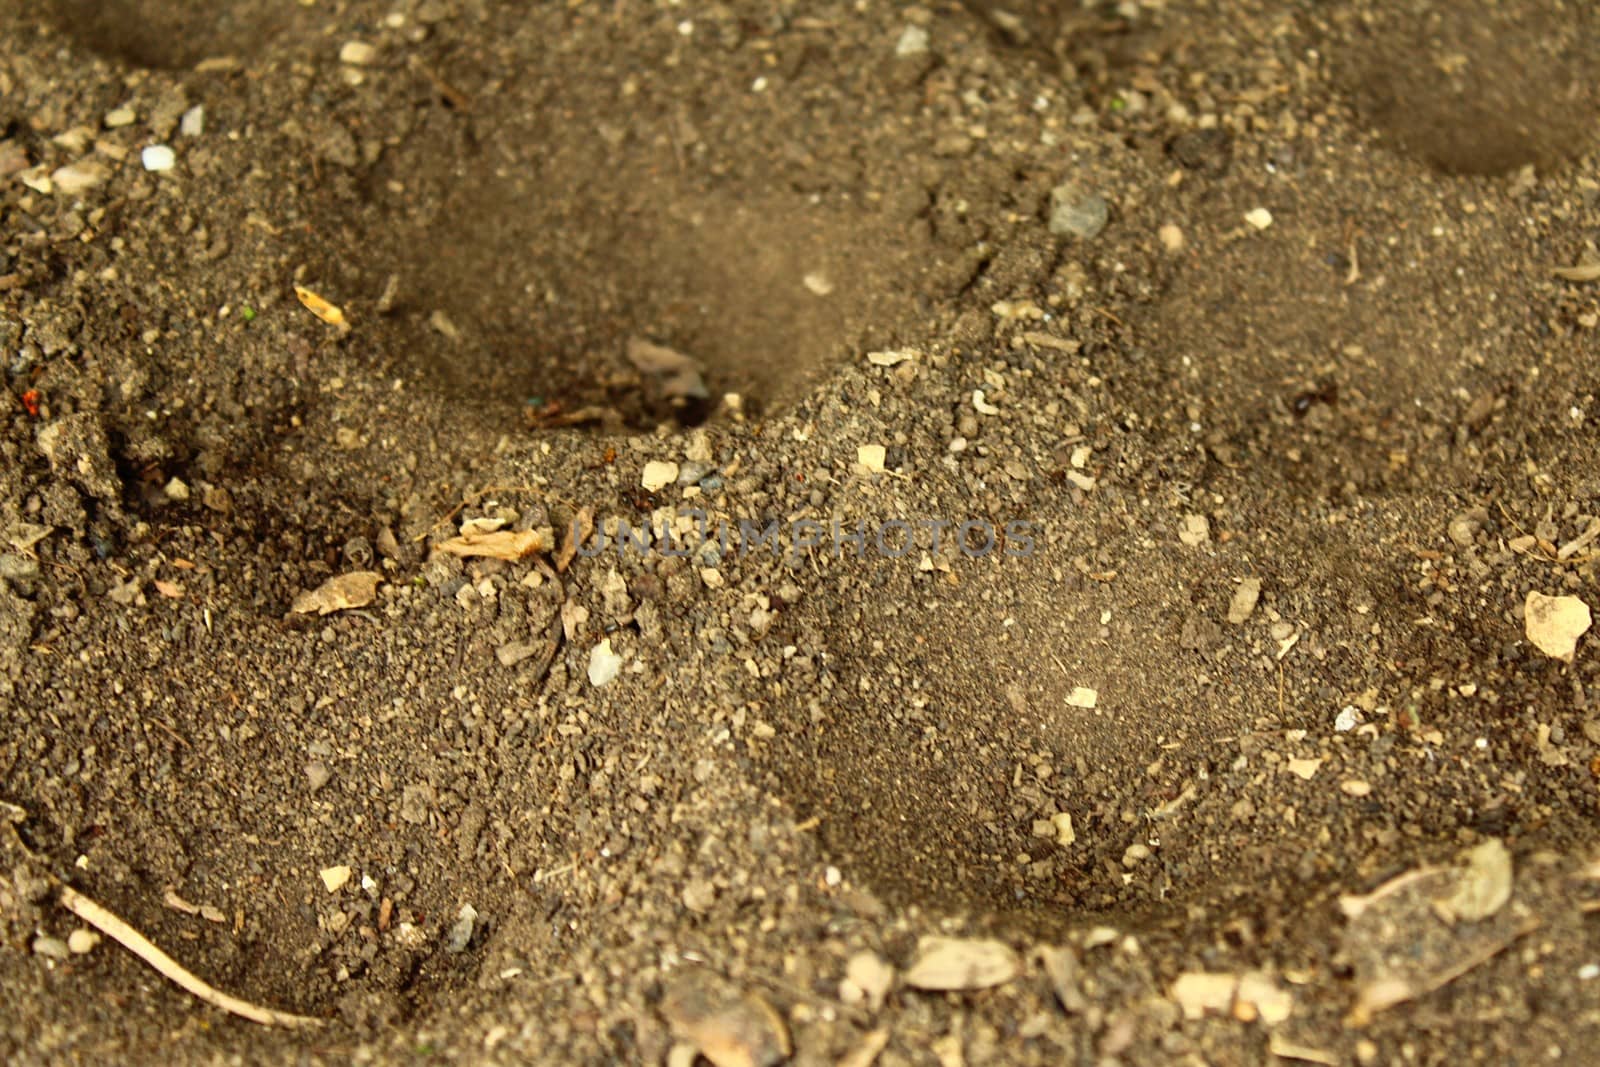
column 1269, row 328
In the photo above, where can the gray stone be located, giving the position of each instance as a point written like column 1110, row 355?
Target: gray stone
column 1076, row 213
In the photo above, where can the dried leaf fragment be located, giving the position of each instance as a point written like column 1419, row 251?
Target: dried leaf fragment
column 1401, row 947
column 509, row 545
column 339, row 593
column 1484, row 888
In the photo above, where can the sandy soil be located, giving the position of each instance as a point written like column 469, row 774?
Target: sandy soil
column 1263, row 335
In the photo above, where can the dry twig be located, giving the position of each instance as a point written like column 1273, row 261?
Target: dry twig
column 141, row 946
column 119, row 931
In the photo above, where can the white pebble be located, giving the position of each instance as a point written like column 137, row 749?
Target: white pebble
column 604, row 664
column 158, row 158
column 122, row 116
column 658, row 474
column 193, row 123
column 357, row 53
column 1260, row 218
column 81, row 942
column 335, row 878
column 913, row 42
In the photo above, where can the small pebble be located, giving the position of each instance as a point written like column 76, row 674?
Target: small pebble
column 120, row 117
column 869, row 977
column 357, row 53
column 1260, row 218
column 955, row 964
column 1195, row 531
column 818, row 283
column 158, row 158
column 193, row 123
column 658, row 474
column 461, row 930
column 604, row 664
column 1244, row 601
column 81, row 941
column 913, row 42
column 51, row 948
column 1075, row 213
column 317, row 775
column 699, row 895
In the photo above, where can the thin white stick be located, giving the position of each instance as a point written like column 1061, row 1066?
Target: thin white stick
column 136, row 943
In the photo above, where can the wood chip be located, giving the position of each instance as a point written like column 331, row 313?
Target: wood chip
column 1305, row 768
column 1200, row 993
column 891, row 357
column 580, row 531
column 1283, row 1048
column 1062, row 967
column 1047, row 340
column 328, row 312
column 1583, row 272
